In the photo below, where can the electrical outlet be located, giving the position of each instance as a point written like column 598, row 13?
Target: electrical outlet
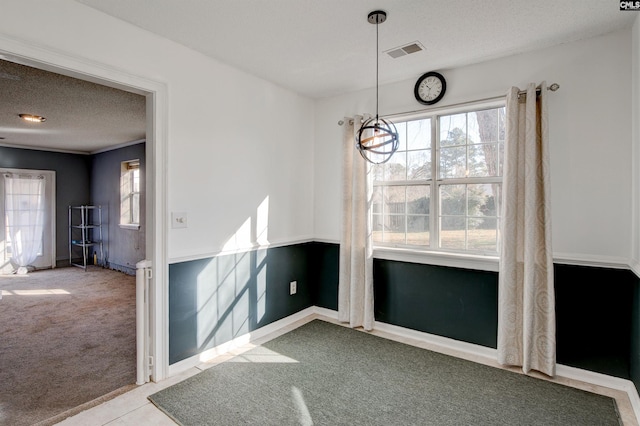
column 293, row 287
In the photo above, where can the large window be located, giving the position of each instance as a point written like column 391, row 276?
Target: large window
column 130, row 193
column 441, row 190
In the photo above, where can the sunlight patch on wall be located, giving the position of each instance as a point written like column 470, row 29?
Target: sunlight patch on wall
column 206, row 294
column 241, row 239
column 240, row 308
column 225, row 294
column 254, row 231
column 222, row 293
column 261, row 287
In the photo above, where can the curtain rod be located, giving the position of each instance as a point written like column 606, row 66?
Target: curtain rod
column 553, row 87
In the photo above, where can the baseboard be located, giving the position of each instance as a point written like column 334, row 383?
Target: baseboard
column 237, row 342
column 330, row 313
column 443, row 343
column 602, row 380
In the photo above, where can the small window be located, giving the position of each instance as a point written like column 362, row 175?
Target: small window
column 130, row 193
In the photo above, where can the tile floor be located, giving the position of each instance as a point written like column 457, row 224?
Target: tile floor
column 134, row 409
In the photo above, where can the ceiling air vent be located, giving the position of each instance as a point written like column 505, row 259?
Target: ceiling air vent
column 407, row 49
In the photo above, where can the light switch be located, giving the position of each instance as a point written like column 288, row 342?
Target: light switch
column 178, row 220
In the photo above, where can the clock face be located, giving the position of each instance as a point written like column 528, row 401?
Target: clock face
column 430, row 88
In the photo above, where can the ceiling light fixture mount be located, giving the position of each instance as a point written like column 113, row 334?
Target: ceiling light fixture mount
column 377, row 139
column 32, row 118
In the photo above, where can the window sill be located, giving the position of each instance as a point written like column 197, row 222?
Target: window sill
column 129, row 226
column 455, row 260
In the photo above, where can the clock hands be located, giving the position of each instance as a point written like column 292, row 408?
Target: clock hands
column 430, row 88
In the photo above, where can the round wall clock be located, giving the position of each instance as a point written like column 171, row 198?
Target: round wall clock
column 430, row 88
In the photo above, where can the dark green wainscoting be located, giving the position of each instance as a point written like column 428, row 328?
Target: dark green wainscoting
column 458, row 303
column 595, row 313
column 211, row 301
column 214, row 300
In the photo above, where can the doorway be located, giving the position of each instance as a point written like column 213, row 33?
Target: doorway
column 155, row 204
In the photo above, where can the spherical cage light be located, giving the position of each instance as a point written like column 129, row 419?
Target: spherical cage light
column 377, row 140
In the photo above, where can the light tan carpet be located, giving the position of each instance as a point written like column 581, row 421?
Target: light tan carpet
column 67, row 337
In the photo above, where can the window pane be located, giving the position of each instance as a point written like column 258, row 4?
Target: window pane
column 452, row 232
column 394, row 229
column 473, row 132
column 418, row 230
column 453, row 130
column 482, row 200
column 394, row 197
column 377, row 172
column 419, row 165
column 487, row 122
column 136, row 180
column 483, row 235
column 484, row 160
column 453, row 162
column 419, row 134
column 452, row 200
column 396, row 167
column 402, row 135
column 376, row 224
column 418, row 199
column 135, row 208
column 376, row 202
column 125, row 211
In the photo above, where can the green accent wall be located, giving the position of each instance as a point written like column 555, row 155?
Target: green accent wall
column 457, row 303
column 595, row 317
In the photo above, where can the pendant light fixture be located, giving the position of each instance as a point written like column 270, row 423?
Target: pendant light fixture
column 377, row 139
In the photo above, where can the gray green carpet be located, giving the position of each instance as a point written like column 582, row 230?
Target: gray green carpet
column 325, row 374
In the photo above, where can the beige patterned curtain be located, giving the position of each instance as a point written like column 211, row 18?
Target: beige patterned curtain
column 526, row 302
column 355, row 286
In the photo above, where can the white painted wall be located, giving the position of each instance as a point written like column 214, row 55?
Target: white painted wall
column 590, row 138
column 234, row 140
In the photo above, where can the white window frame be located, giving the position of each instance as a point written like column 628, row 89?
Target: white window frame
column 128, row 194
column 436, row 256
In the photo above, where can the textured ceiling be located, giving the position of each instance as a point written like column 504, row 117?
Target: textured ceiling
column 81, row 116
column 318, row 48
column 322, row 48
